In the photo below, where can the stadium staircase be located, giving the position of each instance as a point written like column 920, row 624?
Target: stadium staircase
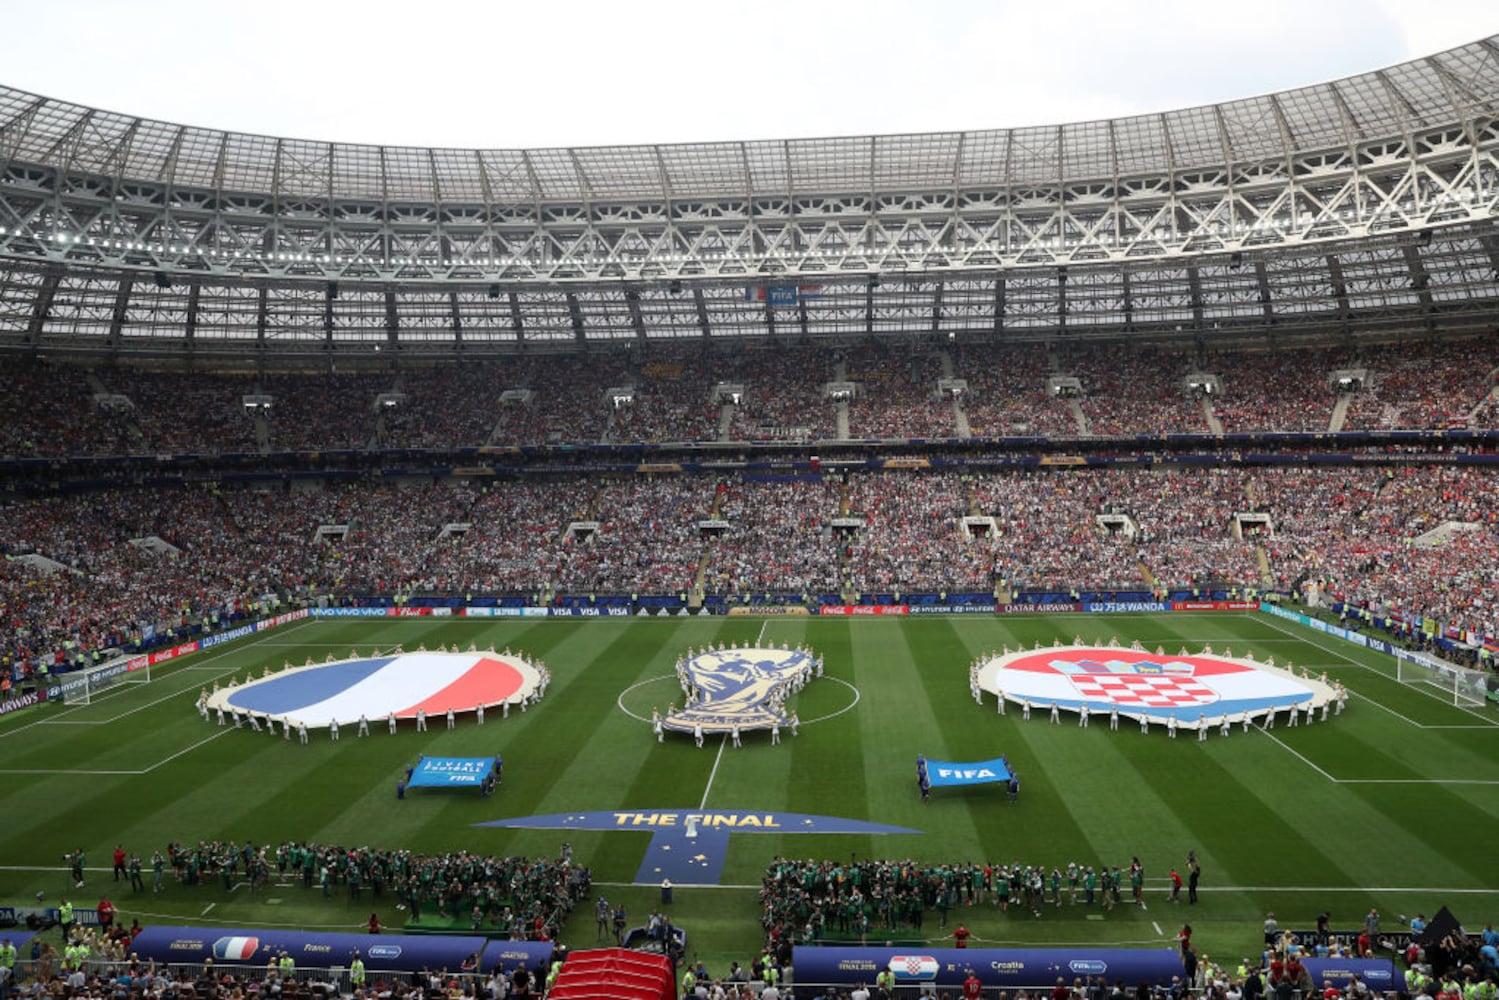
column 960, row 418
column 1444, row 533
column 840, row 374
column 700, row 577
column 1267, row 578
column 1146, row 574
column 262, row 430
column 1211, row 416
column 137, row 437
column 1339, row 412
column 725, row 423
column 1078, row 416
column 1475, row 415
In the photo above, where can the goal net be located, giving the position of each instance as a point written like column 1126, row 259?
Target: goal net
column 1456, row 685
column 83, row 687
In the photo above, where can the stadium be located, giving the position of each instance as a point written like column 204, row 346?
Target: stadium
column 495, row 546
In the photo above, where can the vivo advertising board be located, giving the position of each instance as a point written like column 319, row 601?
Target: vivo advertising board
column 1009, row 968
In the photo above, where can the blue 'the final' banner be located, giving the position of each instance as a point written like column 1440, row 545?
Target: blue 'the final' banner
column 451, row 772
column 946, row 772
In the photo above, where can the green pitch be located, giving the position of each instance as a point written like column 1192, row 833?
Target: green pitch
column 1390, row 805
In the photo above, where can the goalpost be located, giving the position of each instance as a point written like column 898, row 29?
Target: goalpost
column 81, row 687
column 1456, row 685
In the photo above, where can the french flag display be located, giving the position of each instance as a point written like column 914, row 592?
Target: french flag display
column 912, row 968
column 405, row 684
column 235, row 949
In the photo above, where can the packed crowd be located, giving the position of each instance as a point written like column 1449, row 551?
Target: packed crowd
column 1265, row 391
column 897, row 394
column 49, row 410
column 525, row 899
column 909, row 540
column 136, row 980
column 1354, row 531
column 780, row 539
column 1133, row 391
column 1423, row 385
column 812, row 902
column 1047, row 532
column 1007, row 394
column 648, row 540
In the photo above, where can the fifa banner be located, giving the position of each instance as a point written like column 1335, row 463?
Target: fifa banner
column 1379, row 974
column 508, row 954
column 940, row 773
column 451, row 772
column 391, row 952
column 487, row 612
column 1010, row 968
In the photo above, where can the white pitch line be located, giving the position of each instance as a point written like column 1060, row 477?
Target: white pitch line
column 21, row 770
column 1416, row 781
column 240, row 920
column 761, row 637
column 1299, row 756
column 714, row 773
column 207, row 908
column 1364, row 666
column 148, row 770
column 187, row 750
column 175, row 694
column 1157, row 928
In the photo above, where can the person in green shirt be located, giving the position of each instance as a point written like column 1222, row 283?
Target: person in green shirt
column 356, row 972
column 65, row 919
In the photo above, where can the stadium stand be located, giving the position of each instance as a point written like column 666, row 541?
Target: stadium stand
column 1219, row 353
column 225, row 552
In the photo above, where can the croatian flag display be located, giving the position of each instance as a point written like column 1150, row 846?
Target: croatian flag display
column 404, row 684
column 1200, row 688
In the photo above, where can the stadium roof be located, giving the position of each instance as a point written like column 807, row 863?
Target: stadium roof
column 1457, row 86
column 1366, row 204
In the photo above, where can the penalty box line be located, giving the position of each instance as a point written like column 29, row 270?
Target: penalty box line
column 1378, row 704
column 1372, row 781
column 126, row 774
column 200, row 665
